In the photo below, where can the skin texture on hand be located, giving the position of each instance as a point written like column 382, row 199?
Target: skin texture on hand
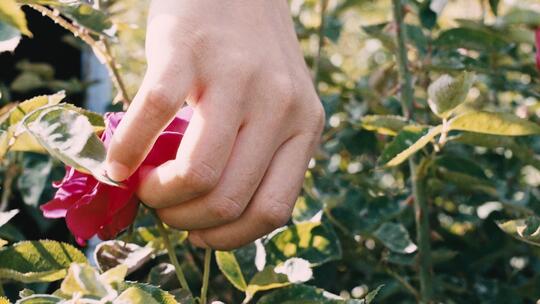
column 257, row 119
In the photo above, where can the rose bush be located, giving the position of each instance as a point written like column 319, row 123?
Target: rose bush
column 426, row 181
column 91, row 207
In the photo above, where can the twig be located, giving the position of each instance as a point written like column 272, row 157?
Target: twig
column 10, row 175
column 206, row 275
column 171, row 252
column 100, row 47
column 318, row 58
column 420, row 202
column 403, row 282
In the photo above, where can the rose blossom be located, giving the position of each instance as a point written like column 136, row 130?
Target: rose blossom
column 93, row 208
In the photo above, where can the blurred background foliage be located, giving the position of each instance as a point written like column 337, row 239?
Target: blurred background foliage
column 355, row 215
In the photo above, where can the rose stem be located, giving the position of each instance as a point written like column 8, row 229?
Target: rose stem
column 171, row 252
column 206, row 274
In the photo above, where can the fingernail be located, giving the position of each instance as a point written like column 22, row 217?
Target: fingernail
column 117, row 171
column 195, row 239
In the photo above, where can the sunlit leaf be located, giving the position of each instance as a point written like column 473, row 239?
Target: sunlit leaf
column 84, row 280
column 521, row 16
column 312, row 241
column 469, row 38
column 9, row 37
column 526, row 230
column 494, row 123
column 265, row 280
column 395, row 237
column 384, row 124
column 303, row 294
column 38, row 261
column 134, row 295
column 33, row 178
column 161, row 296
column 40, row 299
column 150, row 237
column 407, row 142
column 229, row 266
column 69, row 136
column 11, row 13
column 7, row 216
column 447, row 92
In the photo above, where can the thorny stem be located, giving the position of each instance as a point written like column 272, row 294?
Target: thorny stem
column 100, row 48
column 318, row 58
column 206, row 275
column 420, row 203
column 11, row 173
column 171, row 252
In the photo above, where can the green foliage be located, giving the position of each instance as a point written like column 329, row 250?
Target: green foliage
column 472, row 131
column 37, row 261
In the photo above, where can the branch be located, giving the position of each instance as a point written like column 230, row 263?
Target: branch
column 100, row 48
column 417, row 174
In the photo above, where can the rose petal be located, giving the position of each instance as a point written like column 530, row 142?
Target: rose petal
column 120, row 221
column 88, row 214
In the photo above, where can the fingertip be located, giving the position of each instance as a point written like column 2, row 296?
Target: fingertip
column 117, row 171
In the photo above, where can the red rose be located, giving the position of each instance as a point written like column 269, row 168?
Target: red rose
column 93, row 208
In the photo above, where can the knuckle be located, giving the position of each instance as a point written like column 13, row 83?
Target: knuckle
column 283, row 88
column 201, row 177
column 228, row 209
column 159, row 102
column 277, row 213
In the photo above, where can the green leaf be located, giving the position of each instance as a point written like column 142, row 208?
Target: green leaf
column 40, row 299
column 134, row 295
column 84, row 280
column 447, row 92
column 312, row 241
column 301, row 294
column 407, row 142
column 526, row 230
column 12, row 14
column 38, row 261
column 229, row 266
column 18, row 112
column 158, row 294
column 265, row 280
column 9, row 37
column 111, row 254
column 520, row 16
column 81, row 12
column 7, row 216
column 493, row 123
column 69, row 136
column 469, row 38
column 150, row 237
column 384, row 124
column 372, row 294
column 34, row 177
column 395, row 237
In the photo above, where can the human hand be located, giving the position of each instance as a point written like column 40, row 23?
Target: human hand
column 257, row 119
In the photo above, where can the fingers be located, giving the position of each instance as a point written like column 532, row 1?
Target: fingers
column 250, row 159
column 272, row 204
column 202, row 156
column 152, row 110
